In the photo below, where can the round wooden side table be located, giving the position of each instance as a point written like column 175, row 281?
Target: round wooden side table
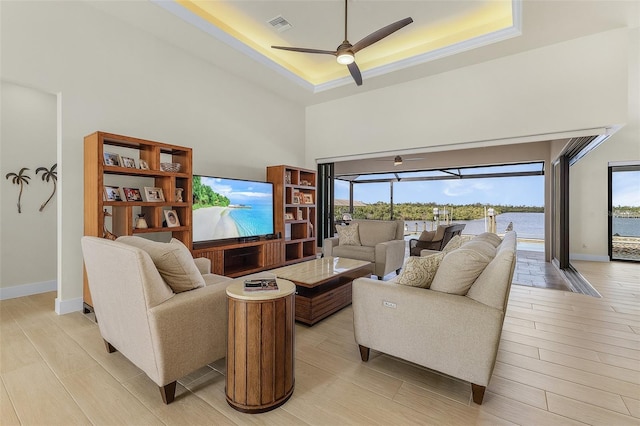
column 260, row 344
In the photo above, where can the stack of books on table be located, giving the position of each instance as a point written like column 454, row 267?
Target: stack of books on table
column 260, row 284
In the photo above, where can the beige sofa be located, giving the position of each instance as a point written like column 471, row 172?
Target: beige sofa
column 381, row 242
column 158, row 323
column 451, row 333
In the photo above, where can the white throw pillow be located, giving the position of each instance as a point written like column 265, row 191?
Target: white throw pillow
column 419, row 271
column 489, row 237
column 349, row 235
column 455, row 242
column 458, row 271
column 173, row 261
column 483, row 247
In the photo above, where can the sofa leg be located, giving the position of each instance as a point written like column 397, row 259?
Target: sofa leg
column 364, row 353
column 109, row 347
column 477, row 392
column 379, row 278
column 398, row 271
column 168, row 392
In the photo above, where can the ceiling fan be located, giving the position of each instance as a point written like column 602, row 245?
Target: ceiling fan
column 345, row 53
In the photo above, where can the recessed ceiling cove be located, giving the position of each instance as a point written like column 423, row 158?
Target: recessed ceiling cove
column 439, row 29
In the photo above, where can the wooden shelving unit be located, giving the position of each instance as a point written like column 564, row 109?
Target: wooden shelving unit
column 294, row 218
column 97, row 174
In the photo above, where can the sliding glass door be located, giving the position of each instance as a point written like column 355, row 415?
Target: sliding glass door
column 624, row 211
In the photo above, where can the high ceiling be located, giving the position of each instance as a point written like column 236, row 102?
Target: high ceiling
column 238, row 39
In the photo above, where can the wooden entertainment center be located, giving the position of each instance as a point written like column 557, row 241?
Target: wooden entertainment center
column 294, row 205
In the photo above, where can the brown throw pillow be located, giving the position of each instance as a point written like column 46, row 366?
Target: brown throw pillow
column 427, row 236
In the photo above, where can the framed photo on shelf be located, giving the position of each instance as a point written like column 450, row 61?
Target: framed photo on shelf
column 127, row 162
column 299, row 214
column 171, row 217
column 287, row 177
column 143, row 165
column 112, row 193
column 111, row 159
column 307, row 198
column 296, row 199
column 132, row 194
column 288, row 216
column 153, row 194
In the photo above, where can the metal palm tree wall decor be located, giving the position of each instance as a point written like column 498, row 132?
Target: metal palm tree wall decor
column 49, row 175
column 19, row 179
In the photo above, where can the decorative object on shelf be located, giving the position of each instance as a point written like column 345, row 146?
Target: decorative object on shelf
column 112, row 193
column 287, row 177
column 111, row 159
column 172, row 218
column 132, row 194
column 307, row 198
column 48, row 175
column 288, row 216
column 310, row 230
column 179, row 192
column 295, row 199
column 144, row 165
column 141, row 222
column 299, row 214
column 153, row 194
column 105, row 232
column 305, row 182
column 19, row 179
column 170, row 167
column 128, row 162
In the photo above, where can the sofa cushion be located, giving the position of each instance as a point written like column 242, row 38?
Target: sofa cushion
column 173, row 261
column 458, row 270
column 489, row 237
column 373, row 232
column 349, row 235
column 427, row 236
column 455, row 243
column 355, row 252
column 489, row 288
column 419, row 271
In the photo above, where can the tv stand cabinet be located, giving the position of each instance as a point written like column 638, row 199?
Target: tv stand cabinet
column 242, row 258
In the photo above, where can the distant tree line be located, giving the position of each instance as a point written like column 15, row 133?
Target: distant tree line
column 424, row 211
column 204, row 196
column 626, row 211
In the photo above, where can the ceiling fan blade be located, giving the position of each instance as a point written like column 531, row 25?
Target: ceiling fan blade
column 305, row 50
column 355, row 73
column 380, row 34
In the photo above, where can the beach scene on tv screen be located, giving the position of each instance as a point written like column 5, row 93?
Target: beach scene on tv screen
column 228, row 208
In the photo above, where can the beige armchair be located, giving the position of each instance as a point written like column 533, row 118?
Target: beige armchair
column 380, row 242
column 165, row 334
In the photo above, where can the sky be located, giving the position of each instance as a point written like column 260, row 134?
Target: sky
column 626, row 189
column 516, row 191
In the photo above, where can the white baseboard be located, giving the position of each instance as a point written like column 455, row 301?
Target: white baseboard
column 588, row 257
column 68, row 306
column 27, row 289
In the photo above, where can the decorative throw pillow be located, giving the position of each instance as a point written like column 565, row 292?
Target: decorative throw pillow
column 349, row 235
column 427, row 236
column 458, row 271
column 173, row 261
column 419, row 271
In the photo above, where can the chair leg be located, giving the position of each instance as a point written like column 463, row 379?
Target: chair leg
column 379, row 278
column 168, row 392
column 364, row 353
column 398, row 271
column 477, row 392
column 109, row 347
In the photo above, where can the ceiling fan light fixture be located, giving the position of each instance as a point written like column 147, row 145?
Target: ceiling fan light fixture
column 345, row 58
column 397, row 161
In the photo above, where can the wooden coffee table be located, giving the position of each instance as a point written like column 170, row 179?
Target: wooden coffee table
column 323, row 286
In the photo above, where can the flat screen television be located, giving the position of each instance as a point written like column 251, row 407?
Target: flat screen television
column 225, row 208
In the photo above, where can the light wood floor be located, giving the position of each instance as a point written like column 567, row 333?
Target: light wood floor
column 565, row 358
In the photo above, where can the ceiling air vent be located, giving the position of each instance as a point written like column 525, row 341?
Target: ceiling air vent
column 279, row 23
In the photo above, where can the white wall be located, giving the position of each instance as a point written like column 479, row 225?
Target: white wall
column 588, row 178
column 116, row 78
column 580, row 84
column 28, row 239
